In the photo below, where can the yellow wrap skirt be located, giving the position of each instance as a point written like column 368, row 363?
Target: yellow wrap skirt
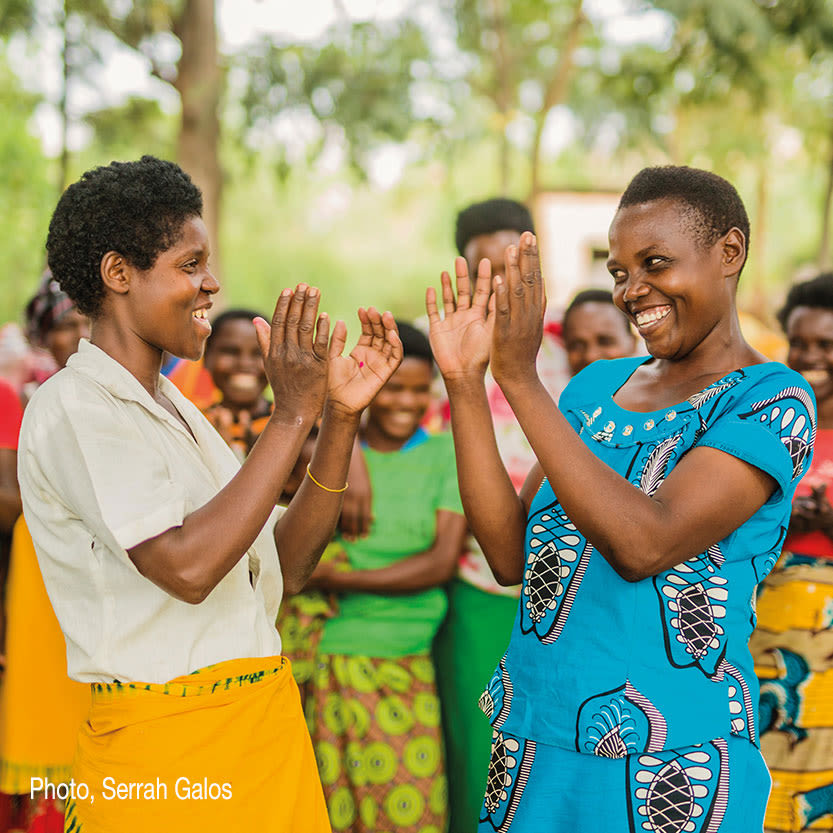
column 223, row 749
column 41, row 709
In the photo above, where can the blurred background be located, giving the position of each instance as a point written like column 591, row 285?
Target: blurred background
column 335, row 140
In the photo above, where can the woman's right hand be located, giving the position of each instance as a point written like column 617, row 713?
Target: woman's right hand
column 294, row 348
column 462, row 338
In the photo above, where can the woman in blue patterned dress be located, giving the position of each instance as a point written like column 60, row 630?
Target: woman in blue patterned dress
column 626, row 698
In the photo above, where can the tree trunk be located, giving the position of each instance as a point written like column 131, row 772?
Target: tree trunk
column 760, row 305
column 503, row 96
column 199, row 83
column 556, row 93
column 823, row 260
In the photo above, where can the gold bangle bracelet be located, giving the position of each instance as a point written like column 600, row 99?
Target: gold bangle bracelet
column 322, row 486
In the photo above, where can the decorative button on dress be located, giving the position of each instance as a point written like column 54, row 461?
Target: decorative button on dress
column 654, row 674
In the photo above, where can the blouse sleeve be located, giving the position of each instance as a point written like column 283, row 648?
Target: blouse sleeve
column 770, row 424
column 86, row 455
column 11, row 414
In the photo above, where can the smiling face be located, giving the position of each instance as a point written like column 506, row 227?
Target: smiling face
column 676, row 290
column 396, row 412
column 169, row 303
column 235, row 363
column 810, row 336
column 63, row 336
column 596, row 330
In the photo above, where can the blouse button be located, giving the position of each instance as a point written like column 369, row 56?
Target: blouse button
column 649, row 425
column 627, row 430
column 670, row 415
column 610, row 427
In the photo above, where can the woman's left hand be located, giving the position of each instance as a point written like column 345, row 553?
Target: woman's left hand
column 354, row 380
column 520, row 302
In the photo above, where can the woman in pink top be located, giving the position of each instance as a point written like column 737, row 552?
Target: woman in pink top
column 793, row 643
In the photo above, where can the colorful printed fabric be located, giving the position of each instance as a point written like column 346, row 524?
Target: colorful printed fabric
column 720, row 785
column 41, row 709
column 466, row 649
column 614, row 668
column 793, row 651
column 820, row 473
column 375, row 725
column 224, row 748
column 240, row 435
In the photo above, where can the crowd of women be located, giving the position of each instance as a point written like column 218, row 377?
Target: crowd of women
column 445, row 544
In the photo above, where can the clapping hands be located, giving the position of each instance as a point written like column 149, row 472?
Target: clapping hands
column 305, row 365
column 501, row 323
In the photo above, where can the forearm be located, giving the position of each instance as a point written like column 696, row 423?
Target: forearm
column 493, row 509
column 309, row 522
column 629, row 528
column 10, row 508
column 190, row 560
column 410, row 575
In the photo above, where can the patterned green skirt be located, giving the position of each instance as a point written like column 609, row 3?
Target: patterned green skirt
column 375, row 726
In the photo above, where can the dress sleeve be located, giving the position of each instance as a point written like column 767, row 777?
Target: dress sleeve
column 770, row 424
column 11, row 414
column 94, row 460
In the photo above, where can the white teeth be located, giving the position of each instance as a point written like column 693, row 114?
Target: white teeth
column 649, row 316
column 815, row 375
column 199, row 313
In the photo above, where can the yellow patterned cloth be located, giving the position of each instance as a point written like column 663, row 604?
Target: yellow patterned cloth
column 793, row 651
column 41, row 709
column 223, row 749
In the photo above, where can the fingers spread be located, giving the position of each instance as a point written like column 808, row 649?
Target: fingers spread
column 293, row 316
column 264, row 335
column 461, row 271
column 279, row 316
column 338, row 340
column 309, row 313
column 393, row 344
column 322, row 335
column 448, row 294
column 431, row 303
column 529, row 265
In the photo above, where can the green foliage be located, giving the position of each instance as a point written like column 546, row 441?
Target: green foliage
column 355, row 83
column 26, row 198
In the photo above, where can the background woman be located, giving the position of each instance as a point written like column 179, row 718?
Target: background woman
column 625, row 699
column 41, row 709
column 163, row 557
column 793, row 642
column 372, row 700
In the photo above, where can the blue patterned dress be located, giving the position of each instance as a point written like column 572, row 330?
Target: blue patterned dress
column 623, row 706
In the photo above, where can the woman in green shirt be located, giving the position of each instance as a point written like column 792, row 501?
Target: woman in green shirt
column 372, row 699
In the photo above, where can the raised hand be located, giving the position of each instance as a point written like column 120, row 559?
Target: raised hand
column 355, row 379
column 294, row 351
column 519, row 303
column 461, row 339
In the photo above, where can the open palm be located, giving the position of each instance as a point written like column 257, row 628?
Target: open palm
column 461, row 339
column 354, row 380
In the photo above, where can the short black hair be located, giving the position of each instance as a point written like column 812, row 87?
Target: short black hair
column 134, row 208
column 593, row 296
column 415, row 344
column 816, row 292
column 487, row 217
column 711, row 203
column 235, row 314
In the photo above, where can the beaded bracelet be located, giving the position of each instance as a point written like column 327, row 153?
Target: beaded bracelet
column 322, row 486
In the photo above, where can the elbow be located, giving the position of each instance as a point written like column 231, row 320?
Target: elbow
column 634, row 565
column 507, row 578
